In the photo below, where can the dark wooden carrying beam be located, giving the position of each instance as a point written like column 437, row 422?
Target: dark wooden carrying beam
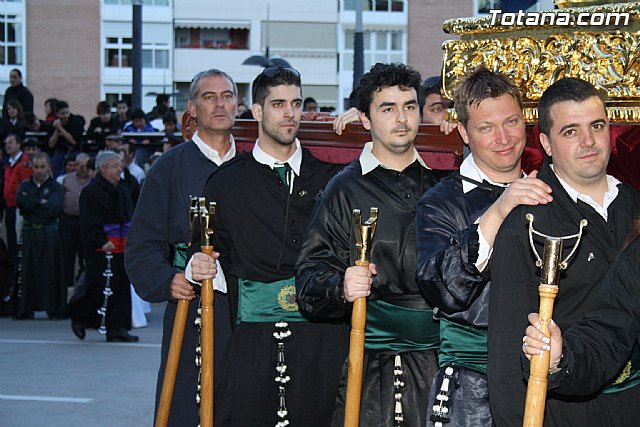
column 439, row 151
column 442, row 152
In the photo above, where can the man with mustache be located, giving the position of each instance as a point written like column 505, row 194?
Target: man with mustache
column 156, row 247
column 401, row 337
column 575, row 133
column 280, row 367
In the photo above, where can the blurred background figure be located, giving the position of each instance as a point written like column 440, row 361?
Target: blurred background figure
column 40, row 202
column 72, row 186
column 18, row 92
column 105, row 214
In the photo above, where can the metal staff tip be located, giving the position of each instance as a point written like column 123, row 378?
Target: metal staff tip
column 553, row 249
column 364, row 232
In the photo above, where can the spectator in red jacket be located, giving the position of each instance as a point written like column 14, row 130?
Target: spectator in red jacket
column 16, row 171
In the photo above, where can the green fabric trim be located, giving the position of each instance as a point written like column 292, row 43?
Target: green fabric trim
column 180, row 256
column 268, row 302
column 30, row 226
column 629, row 375
column 391, row 327
column 462, row 345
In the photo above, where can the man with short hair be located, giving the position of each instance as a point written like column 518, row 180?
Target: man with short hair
column 72, row 186
column 264, row 201
column 139, row 125
column 457, row 221
column 41, row 286
column 17, row 91
column 156, row 249
column 101, row 126
column 122, row 114
column 66, row 137
column 574, row 132
column 16, row 171
column 105, row 218
column 310, row 105
column 401, row 338
column 128, row 149
column 434, row 109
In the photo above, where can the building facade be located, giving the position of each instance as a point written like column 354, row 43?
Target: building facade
column 81, row 51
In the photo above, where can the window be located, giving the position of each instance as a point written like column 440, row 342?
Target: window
column 11, row 43
column 379, row 46
column 144, row 2
column 212, row 38
column 155, row 56
column 118, row 52
column 484, row 6
column 375, row 5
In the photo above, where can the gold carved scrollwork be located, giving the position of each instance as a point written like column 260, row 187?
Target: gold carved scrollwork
column 484, row 24
column 610, row 61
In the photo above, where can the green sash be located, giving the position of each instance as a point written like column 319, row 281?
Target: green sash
column 180, row 256
column 462, row 345
column 629, row 376
column 268, row 302
column 29, row 226
column 391, row 327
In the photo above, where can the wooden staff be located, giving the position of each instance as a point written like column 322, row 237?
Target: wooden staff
column 175, row 345
column 539, row 369
column 363, row 234
column 206, row 376
column 548, row 289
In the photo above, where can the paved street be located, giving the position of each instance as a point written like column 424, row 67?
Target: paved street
column 49, row 377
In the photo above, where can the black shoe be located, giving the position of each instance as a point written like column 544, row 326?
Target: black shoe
column 121, row 336
column 78, row 330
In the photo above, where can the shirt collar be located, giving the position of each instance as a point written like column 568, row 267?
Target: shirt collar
column 212, row 154
column 469, row 169
column 266, row 159
column 369, row 162
column 609, row 196
column 13, row 160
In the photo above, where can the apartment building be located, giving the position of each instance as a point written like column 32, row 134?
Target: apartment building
column 81, row 51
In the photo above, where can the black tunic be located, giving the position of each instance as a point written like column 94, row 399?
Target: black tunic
column 448, row 244
column 330, row 249
column 259, row 229
column 514, row 294
column 597, row 347
column 105, row 215
column 42, row 286
column 161, row 220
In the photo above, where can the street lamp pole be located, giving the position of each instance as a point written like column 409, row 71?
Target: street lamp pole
column 136, row 56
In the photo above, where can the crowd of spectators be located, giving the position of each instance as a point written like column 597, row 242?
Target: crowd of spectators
column 46, row 165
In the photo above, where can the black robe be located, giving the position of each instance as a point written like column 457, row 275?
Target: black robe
column 105, row 215
column 598, row 346
column 330, row 249
column 448, row 244
column 41, row 285
column 160, row 222
column 514, row 294
column 259, row 228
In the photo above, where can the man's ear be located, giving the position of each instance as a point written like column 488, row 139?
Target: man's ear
column 463, row 133
column 256, row 110
column 366, row 123
column 191, row 107
column 546, row 144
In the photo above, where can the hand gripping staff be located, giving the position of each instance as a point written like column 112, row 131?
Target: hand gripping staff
column 206, row 378
column 175, row 345
column 363, row 236
column 548, row 289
